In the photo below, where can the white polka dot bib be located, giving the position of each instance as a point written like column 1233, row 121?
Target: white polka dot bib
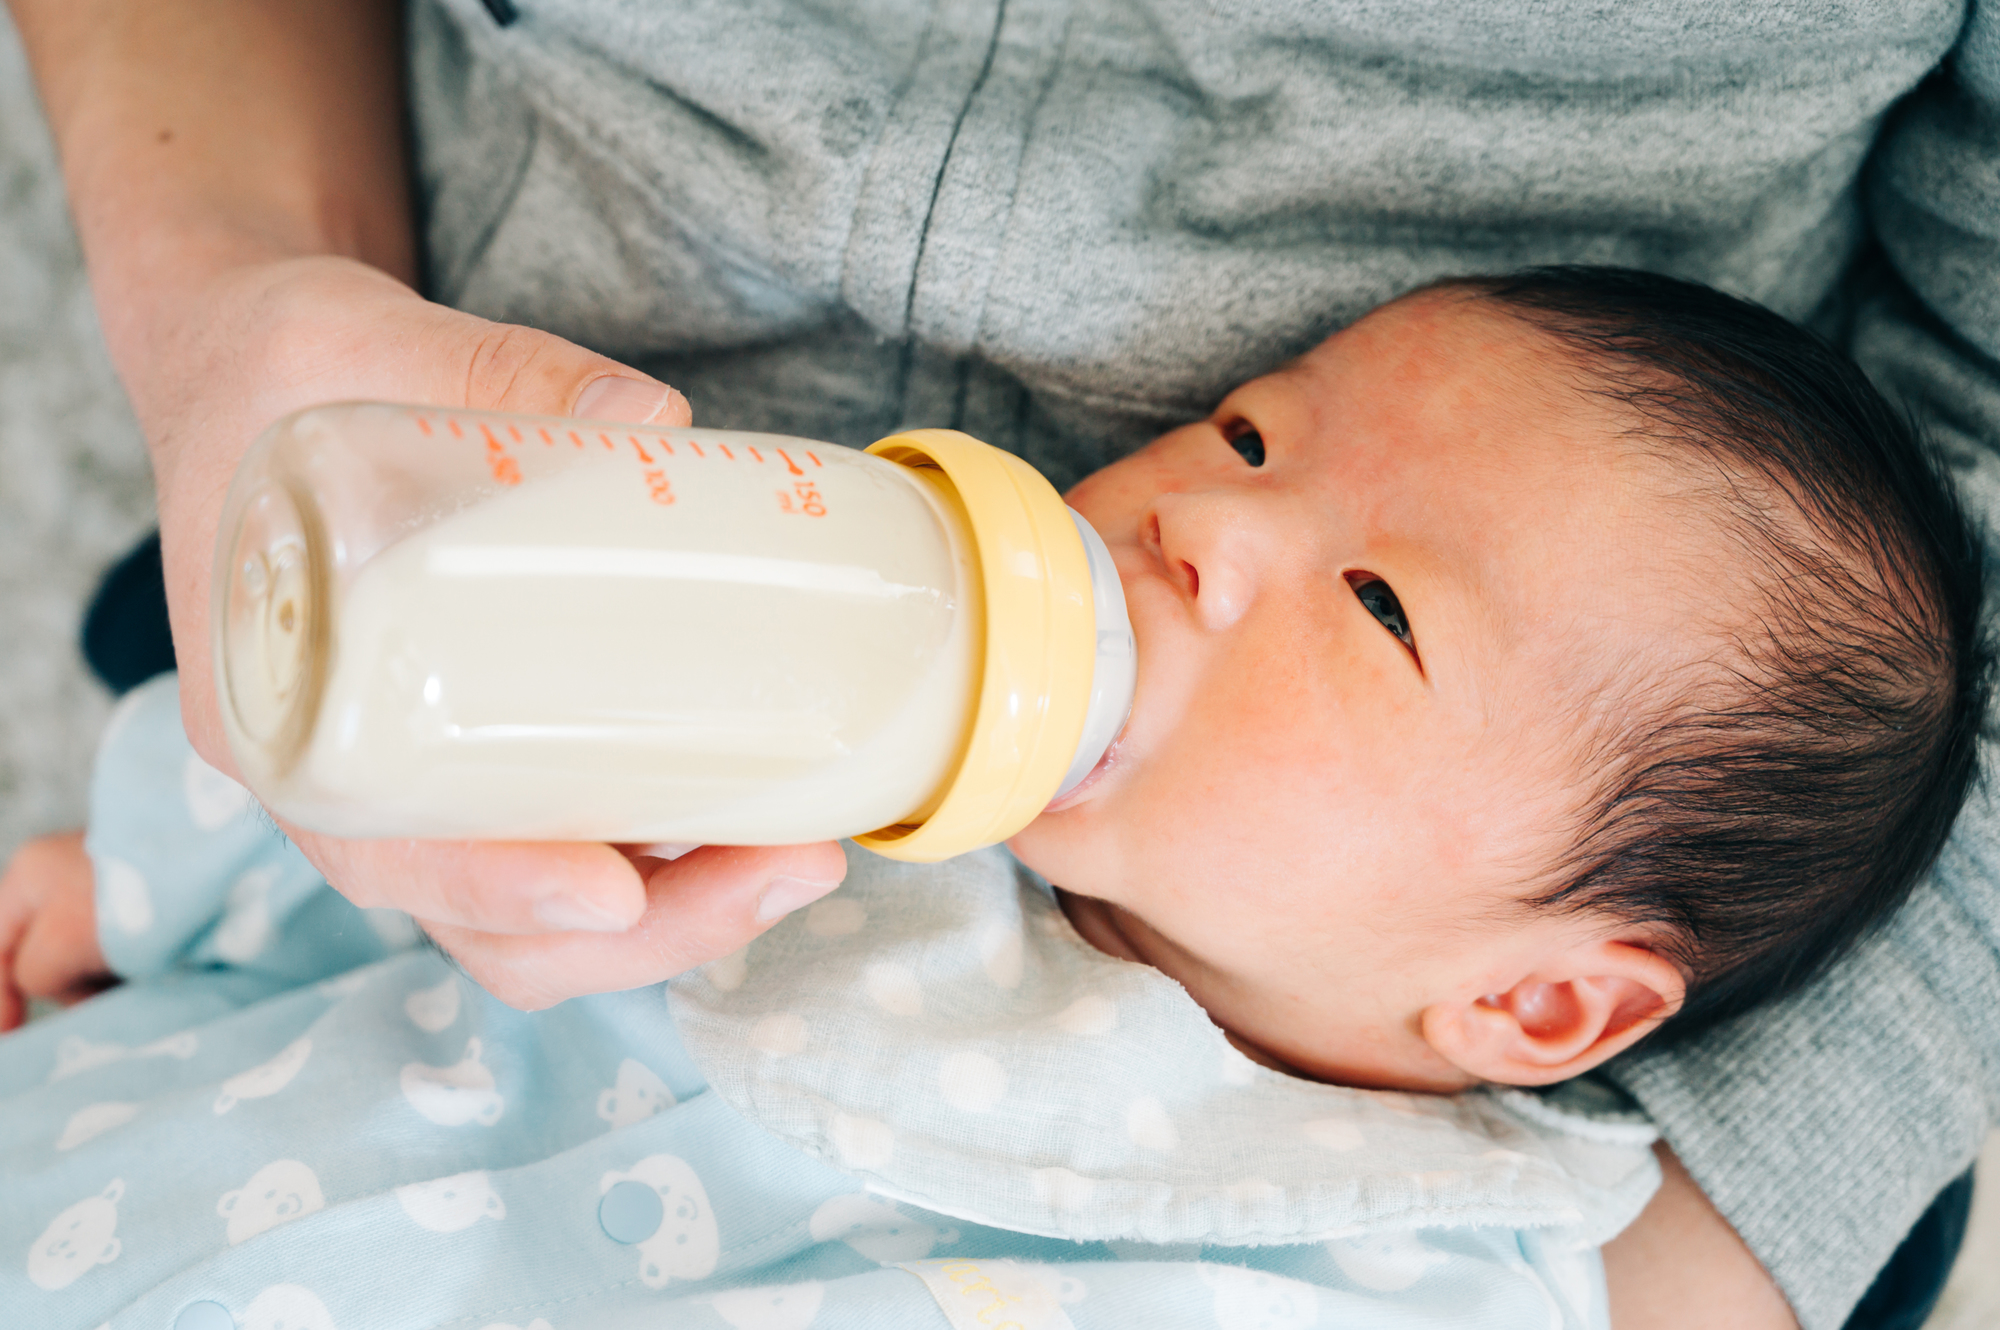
column 942, row 1032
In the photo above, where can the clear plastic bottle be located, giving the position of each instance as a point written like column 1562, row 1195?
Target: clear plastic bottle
column 466, row 624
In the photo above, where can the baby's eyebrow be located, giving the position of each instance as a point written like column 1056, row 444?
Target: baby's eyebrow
column 1459, row 586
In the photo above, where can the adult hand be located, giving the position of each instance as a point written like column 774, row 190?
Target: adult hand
column 237, row 174
column 533, row 923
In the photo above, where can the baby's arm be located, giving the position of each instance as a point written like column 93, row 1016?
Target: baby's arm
column 48, row 927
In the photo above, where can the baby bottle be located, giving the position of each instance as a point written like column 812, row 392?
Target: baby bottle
column 464, row 624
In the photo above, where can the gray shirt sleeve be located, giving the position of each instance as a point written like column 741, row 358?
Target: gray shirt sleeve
column 1824, row 1126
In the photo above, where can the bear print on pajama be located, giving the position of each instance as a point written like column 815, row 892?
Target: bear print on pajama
column 266, row 1078
column 282, row 1190
column 446, row 1205
column 94, row 1120
column 434, row 1009
column 1260, row 1300
column 455, row 1095
column 687, row 1243
column 286, row 1307
column 876, row 1229
column 80, row 1237
column 779, row 1307
column 638, row 1095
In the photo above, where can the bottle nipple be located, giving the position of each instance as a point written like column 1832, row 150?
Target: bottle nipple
column 1115, row 671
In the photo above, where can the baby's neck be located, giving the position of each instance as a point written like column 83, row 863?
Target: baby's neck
column 1098, row 923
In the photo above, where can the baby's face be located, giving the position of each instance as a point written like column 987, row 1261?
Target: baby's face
column 1355, row 742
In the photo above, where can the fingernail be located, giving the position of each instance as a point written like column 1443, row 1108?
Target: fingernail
column 615, row 397
column 578, row 914
column 782, row 895
column 669, row 850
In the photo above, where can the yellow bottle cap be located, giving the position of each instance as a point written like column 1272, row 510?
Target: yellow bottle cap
column 1041, row 643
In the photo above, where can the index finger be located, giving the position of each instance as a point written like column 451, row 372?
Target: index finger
column 502, row 887
column 699, row 908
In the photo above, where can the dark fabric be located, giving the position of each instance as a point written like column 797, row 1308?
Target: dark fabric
column 1908, row 1288
column 126, row 639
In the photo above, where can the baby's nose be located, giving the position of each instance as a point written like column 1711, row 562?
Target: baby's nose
column 1212, row 544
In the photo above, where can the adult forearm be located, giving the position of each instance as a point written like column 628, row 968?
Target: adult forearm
column 197, row 135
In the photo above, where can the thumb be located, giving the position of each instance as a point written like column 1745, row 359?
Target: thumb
column 506, row 367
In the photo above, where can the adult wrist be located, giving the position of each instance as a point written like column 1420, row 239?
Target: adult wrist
column 199, row 137
column 157, row 292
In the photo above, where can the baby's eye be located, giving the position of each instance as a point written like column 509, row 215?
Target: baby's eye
column 1382, row 603
column 1247, row 442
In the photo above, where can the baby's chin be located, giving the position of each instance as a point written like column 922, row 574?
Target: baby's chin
column 1051, row 843
column 1068, row 842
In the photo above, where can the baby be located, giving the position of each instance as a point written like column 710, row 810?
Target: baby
column 1537, row 664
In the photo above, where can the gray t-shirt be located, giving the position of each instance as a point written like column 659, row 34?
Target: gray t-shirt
column 1062, row 225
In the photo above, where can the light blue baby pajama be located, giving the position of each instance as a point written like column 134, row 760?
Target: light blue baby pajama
column 922, row 1102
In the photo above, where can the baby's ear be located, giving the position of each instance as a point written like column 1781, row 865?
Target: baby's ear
column 1577, row 1009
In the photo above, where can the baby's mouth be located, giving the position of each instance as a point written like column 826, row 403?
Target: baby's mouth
column 1114, row 751
column 1090, row 778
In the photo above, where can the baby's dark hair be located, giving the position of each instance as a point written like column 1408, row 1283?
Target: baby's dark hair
column 1772, row 806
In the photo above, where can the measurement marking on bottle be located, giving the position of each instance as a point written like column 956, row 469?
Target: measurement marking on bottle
column 804, row 497
column 504, row 468
column 807, row 498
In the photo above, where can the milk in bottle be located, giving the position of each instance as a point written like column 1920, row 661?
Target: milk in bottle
column 456, row 624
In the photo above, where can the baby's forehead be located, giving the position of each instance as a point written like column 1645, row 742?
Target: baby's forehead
column 1566, row 529
column 1490, row 382
column 1597, row 636
column 1642, row 564
column 1430, row 312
